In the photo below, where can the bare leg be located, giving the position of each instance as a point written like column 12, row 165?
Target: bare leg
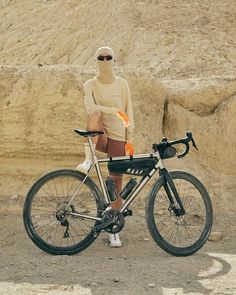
column 95, row 123
column 118, row 183
column 101, row 145
column 116, row 148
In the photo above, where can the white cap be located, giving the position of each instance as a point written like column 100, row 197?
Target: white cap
column 104, row 50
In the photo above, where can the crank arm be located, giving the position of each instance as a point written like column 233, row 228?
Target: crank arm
column 102, row 226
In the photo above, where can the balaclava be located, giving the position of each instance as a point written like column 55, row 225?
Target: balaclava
column 105, row 68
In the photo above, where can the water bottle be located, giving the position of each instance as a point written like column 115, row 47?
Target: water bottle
column 128, row 188
column 111, row 189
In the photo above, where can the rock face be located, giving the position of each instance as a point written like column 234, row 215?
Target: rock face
column 178, row 57
column 40, row 107
column 207, row 107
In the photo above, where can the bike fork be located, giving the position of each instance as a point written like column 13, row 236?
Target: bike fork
column 172, row 191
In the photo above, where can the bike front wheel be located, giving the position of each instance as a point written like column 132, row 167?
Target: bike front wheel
column 49, row 220
column 176, row 234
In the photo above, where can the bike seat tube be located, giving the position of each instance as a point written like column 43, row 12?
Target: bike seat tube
column 98, row 169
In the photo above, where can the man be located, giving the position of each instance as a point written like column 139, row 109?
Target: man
column 108, row 104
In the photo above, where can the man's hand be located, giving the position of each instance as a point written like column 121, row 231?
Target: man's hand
column 124, row 118
column 129, row 149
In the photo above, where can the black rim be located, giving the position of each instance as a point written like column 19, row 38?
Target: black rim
column 181, row 232
column 48, row 219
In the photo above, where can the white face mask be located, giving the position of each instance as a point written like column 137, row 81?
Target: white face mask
column 105, row 71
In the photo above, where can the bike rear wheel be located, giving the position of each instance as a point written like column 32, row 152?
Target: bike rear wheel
column 47, row 221
column 180, row 235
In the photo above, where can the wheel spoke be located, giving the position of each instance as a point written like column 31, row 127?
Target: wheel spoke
column 180, row 234
column 50, row 224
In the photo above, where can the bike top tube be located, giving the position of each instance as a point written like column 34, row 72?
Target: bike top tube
column 121, row 158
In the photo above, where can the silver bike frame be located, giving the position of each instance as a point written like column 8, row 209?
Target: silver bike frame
column 96, row 161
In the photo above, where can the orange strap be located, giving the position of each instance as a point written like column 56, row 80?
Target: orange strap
column 124, row 118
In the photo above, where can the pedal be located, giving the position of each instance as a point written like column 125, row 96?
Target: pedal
column 127, row 212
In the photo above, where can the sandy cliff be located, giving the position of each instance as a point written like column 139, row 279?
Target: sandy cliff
column 178, row 56
column 40, row 107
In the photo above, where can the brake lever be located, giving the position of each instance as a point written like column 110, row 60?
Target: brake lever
column 190, row 137
column 194, row 144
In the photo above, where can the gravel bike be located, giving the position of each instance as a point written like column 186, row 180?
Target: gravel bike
column 65, row 210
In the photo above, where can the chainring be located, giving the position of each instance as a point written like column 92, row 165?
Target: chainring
column 115, row 219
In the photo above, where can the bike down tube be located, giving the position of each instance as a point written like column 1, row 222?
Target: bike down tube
column 130, row 199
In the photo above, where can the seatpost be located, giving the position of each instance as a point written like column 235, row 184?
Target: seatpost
column 91, row 147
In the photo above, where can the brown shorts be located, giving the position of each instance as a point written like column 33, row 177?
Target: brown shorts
column 115, row 148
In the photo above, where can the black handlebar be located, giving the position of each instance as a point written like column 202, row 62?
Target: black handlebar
column 165, row 143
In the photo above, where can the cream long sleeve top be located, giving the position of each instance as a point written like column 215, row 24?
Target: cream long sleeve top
column 108, row 99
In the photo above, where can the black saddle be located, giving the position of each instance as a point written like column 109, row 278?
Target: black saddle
column 86, row 133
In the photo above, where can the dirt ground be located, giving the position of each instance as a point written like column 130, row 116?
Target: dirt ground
column 138, row 267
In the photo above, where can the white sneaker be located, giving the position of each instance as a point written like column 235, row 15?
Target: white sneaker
column 85, row 166
column 114, row 240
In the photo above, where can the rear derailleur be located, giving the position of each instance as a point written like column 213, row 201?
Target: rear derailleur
column 61, row 217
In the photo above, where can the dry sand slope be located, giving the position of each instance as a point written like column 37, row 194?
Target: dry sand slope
column 173, row 38
column 179, row 58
